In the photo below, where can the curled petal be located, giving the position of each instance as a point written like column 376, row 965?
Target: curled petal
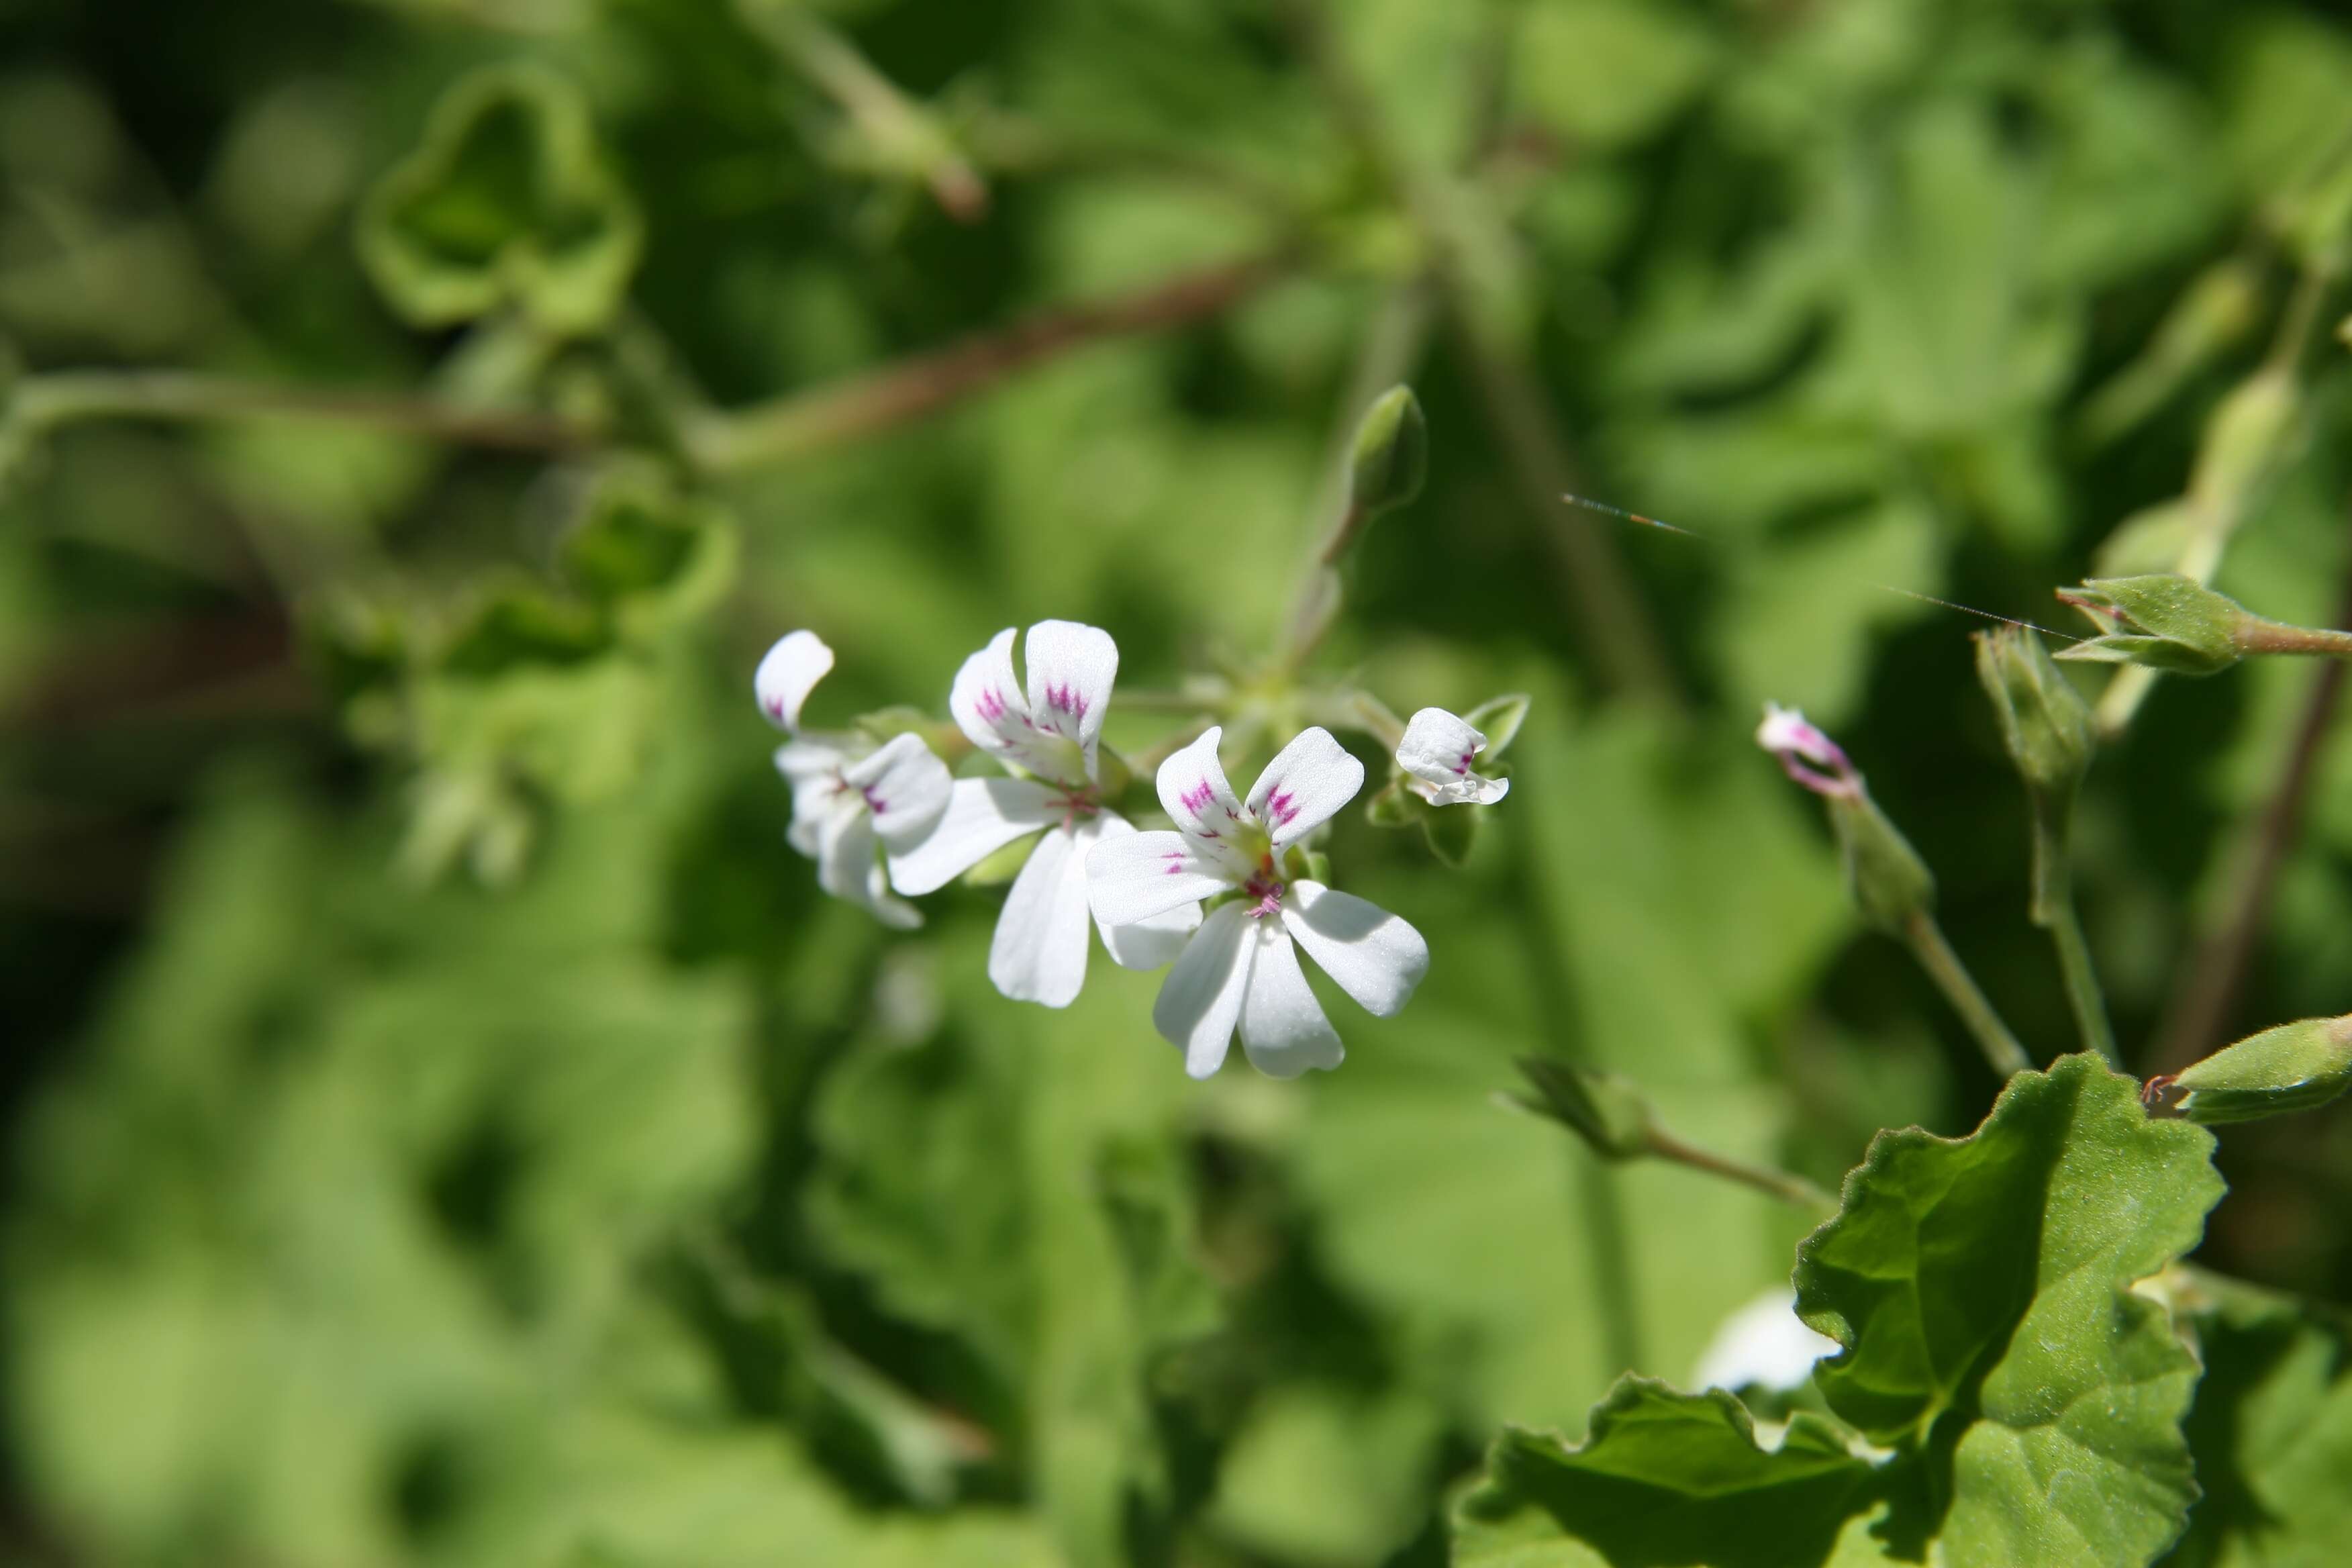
column 1039, row 953
column 782, row 683
column 1377, row 958
column 1284, row 1029
column 1305, row 786
column 1071, row 669
column 906, row 788
column 1201, row 1002
column 848, row 867
column 1137, row 877
column 1436, row 754
column 982, row 816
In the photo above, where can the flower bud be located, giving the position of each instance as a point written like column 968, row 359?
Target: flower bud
column 2044, row 722
column 2162, row 621
column 2293, row 1067
column 1390, row 456
column 1601, row 1107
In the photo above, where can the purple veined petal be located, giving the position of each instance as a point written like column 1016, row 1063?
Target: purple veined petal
column 1305, row 786
column 782, row 683
column 982, row 816
column 986, row 702
column 1194, row 791
column 1039, row 952
column 1146, row 943
column 905, row 789
column 1377, row 958
column 1071, row 671
column 1200, row 1004
column 1137, row 877
column 1439, row 747
column 1284, row 1029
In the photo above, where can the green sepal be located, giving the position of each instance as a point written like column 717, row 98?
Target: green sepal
column 1499, row 719
column 2293, row 1067
column 1450, row 832
column 1607, row 1110
column 1000, row 866
column 1392, row 807
column 507, row 201
column 2161, row 620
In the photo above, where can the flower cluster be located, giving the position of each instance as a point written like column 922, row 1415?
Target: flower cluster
column 1230, row 893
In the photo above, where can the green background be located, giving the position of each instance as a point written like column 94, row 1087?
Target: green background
column 444, row 1121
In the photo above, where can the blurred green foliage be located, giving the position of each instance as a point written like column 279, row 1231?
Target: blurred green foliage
column 446, row 1124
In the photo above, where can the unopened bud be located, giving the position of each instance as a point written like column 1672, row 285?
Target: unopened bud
column 1391, row 456
column 2293, row 1067
column 1601, row 1107
column 2044, row 722
column 2162, row 621
column 1889, row 882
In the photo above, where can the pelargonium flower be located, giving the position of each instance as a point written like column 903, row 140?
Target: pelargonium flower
column 1051, row 738
column 1436, row 754
column 1241, row 969
column 851, row 799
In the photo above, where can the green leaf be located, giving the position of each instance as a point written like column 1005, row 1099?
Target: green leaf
column 2272, row 1432
column 1665, row 1477
column 507, row 202
column 654, row 558
column 1606, row 71
column 1981, row 1290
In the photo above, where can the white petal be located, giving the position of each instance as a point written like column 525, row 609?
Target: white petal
column 983, row 816
column 848, row 867
column 1376, row 958
column 814, row 769
column 905, row 787
column 1470, row 789
column 1145, row 943
column 1193, row 790
column 1438, row 747
column 1071, row 669
column 1282, row 1027
column 1763, row 1343
column 1307, row 782
column 1141, row 875
column 782, row 683
column 1040, row 951
column 1200, row 1001
column 988, row 706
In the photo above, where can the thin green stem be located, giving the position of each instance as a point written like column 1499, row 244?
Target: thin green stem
column 47, row 401
column 2052, row 909
column 2260, row 637
column 1925, row 939
column 1785, row 1185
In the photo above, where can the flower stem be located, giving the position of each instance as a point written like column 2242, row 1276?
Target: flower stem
column 45, row 400
column 1925, row 939
column 2053, row 910
column 1785, row 1185
column 2258, row 636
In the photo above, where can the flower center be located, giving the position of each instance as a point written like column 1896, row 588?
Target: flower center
column 1264, row 892
column 1075, row 802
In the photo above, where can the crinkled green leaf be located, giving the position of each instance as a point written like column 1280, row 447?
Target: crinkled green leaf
column 1667, row 1478
column 1981, row 1290
column 507, row 202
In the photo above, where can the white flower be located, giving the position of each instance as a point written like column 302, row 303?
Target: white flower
column 1241, row 970
column 850, row 799
column 1436, row 754
column 1052, row 737
column 1764, row 1344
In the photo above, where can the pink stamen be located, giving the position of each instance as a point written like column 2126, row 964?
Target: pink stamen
column 1267, row 892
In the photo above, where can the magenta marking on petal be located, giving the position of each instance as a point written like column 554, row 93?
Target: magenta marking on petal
column 990, row 706
column 1463, row 765
column 1280, row 806
column 1196, row 799
column 874, row 802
